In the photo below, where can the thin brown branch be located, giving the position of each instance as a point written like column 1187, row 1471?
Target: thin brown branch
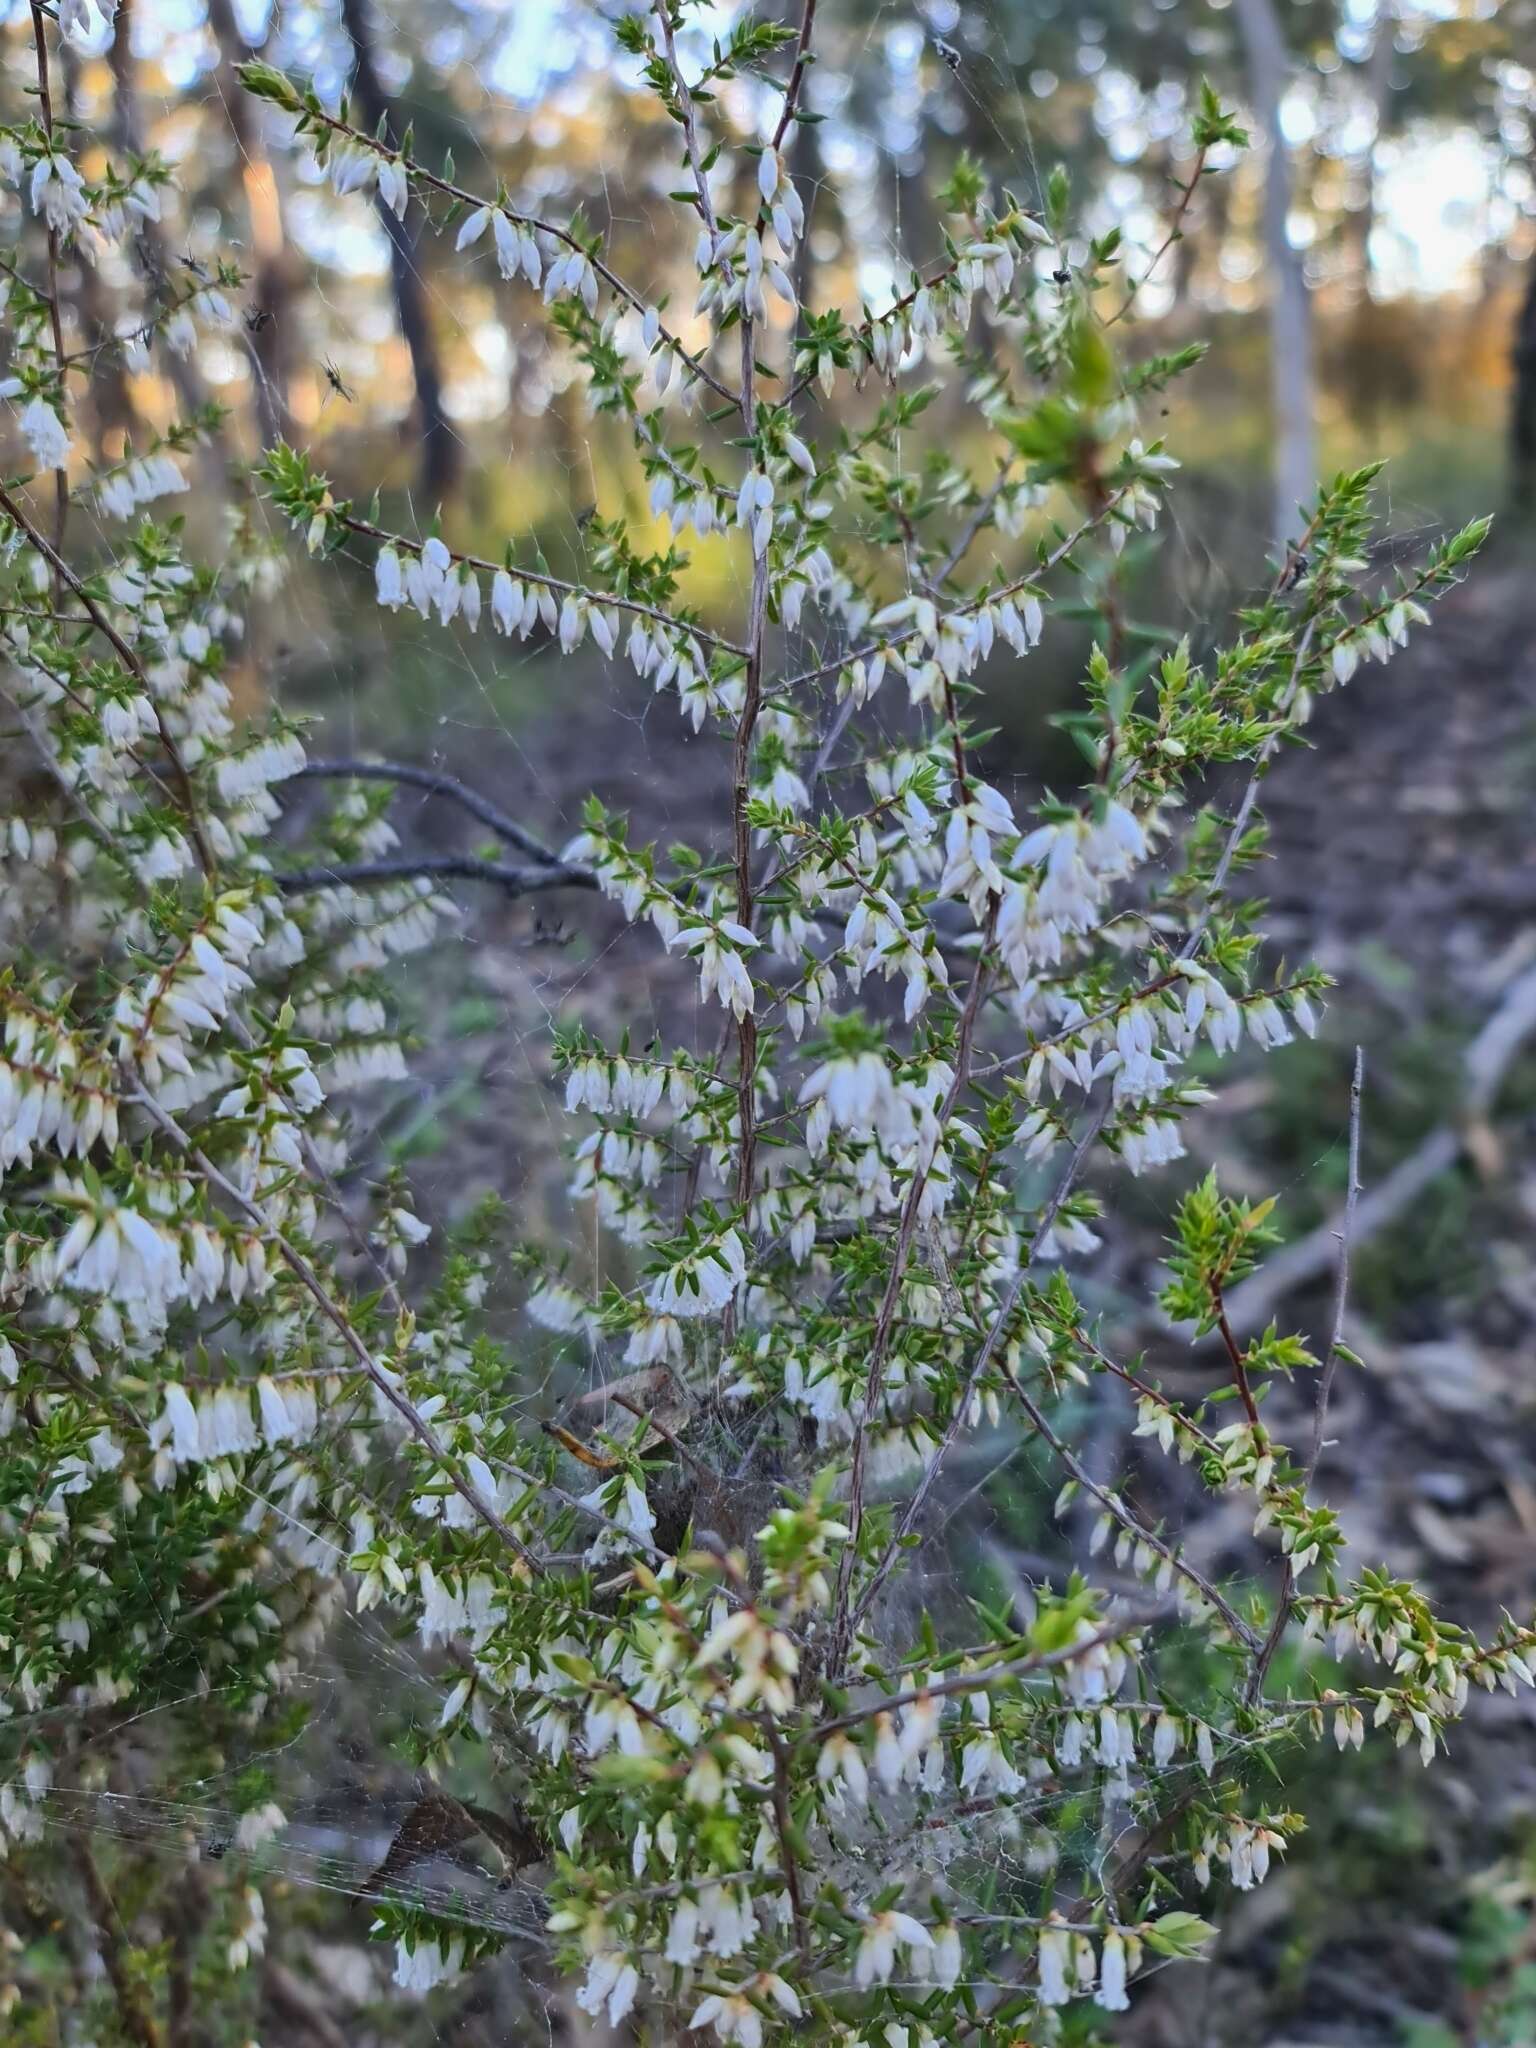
column 191, row 1911
column 845, row 1621
column 133, row 2008
column 752, row 696
column 1277, row 1627
column 1042, row 568
column 440, row 866
column 410, row 775
column 828, row 746
column 537, row 576
column 741, row 832
column 1341, row 1288
column 994, row 1336
column 386, row 1382
column 798, row 71
column 60, row 359
column 1113, row 1505
column 420, row 173
column 669, row 1437
column 977, row 1681
column 783, row 1829
column 1175, row 231
column 135, row 667
column 1235, row 1359
column 1484, row 1066
column 686, row 113
column 980, row 514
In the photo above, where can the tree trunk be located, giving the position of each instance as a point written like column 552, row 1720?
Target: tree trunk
column 1522, row 417
column 150, row 243
column 275, row 277
column 439, row 447
column 1292, row 379
column 112, row 414
column 1360, row 220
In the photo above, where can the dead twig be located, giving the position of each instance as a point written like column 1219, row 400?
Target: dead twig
column 439, row 866
column 1341, row 1290
column 1485, row 1064
column 411, row 775
column 1282, row 1615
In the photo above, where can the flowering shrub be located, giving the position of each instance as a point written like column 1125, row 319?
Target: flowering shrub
column 758, row 1787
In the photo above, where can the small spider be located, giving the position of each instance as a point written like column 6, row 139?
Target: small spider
column 1296, row 566
column 947, row 53
column 258, row 317
column 333, row 377
column 549, row 932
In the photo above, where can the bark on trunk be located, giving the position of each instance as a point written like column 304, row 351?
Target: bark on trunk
column 1522, row 418
column 439, row 448
column 1292, row 379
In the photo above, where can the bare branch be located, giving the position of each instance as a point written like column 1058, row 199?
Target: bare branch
column 1175, row 231
column 1113, row 1505
column 1485, row 1063
column 51, row 296
column 1341, row 1291
column 689, row 122
column 797, row 74
column 132, row 2005
column 444, row 866
column 752, row 697
column 980, row 514
column 845, row 1622
column 1282, row 1614
column 413, row 776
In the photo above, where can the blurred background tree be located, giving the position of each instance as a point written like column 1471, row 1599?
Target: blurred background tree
column 1365, row 268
